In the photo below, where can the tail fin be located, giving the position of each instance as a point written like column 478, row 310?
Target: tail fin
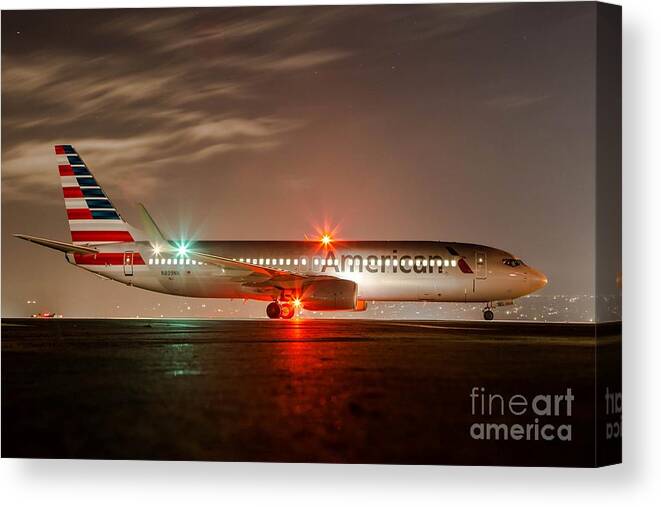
column 93, row 218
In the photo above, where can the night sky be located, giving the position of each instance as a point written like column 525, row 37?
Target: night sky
column 452, row 122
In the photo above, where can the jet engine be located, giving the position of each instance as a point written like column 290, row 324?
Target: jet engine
column 330, row 294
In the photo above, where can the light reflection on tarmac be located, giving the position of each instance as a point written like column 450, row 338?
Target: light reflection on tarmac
column 259, row 390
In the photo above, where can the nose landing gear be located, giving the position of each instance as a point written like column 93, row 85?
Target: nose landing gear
column 488, row 312
column 276, row 310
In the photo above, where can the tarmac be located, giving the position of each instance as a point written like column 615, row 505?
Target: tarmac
column 339, row 391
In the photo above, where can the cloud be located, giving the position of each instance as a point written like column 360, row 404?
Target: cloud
column 69, row 89
column 139, row 119
column 221, row 31
column 195, row 70
column 303, row 60
column 138, row 162
column 182, row 86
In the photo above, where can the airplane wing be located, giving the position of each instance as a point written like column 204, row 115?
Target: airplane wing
column 58, row 245
column 267, row 278
column 227, row 263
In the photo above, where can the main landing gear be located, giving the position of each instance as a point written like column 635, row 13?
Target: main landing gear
column 276, row 310
column 488, row 312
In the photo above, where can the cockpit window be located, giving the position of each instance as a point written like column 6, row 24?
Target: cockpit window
column 513, row 263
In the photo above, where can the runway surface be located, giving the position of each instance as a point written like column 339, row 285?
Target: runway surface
column 311, row 391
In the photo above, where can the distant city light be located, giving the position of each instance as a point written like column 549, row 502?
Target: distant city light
column 555, row 308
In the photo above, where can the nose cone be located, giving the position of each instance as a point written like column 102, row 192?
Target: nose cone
column 536, row 279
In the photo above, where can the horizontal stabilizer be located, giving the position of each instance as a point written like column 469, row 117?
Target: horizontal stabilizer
column 58, row 245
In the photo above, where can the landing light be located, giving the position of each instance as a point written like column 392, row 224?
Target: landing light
column 156, row 249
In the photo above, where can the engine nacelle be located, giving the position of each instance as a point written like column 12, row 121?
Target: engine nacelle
column 328, row 295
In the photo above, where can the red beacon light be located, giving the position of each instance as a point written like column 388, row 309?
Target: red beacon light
column 326, row 240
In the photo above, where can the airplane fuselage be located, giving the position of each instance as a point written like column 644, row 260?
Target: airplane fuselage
column 382, row 270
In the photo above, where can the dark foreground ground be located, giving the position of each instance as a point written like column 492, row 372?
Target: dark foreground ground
column 321, row 391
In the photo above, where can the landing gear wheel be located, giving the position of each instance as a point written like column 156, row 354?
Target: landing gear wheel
column 273, row 310
column 488, row 315
column 286, row 311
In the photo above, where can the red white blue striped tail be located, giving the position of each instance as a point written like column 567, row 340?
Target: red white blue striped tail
column 93, row 218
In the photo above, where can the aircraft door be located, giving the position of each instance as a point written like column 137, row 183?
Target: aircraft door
column 128, row 263
column 480, row 265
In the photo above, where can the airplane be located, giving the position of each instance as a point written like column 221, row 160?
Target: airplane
column 319, row 275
